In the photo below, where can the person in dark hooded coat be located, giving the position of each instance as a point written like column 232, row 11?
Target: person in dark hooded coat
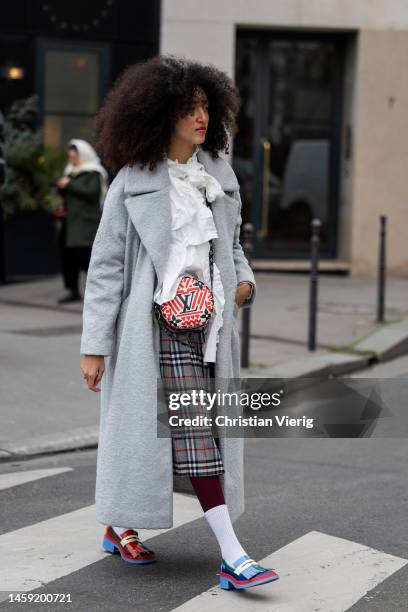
column 83, row 188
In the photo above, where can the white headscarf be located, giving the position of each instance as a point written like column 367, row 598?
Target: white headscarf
column 88, row 161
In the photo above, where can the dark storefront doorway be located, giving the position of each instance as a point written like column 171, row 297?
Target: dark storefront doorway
column 286, row 153
column 72, row 81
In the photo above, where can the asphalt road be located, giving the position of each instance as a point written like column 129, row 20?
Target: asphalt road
column 330, row 515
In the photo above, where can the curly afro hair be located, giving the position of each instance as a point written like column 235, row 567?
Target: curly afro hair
column 136, row 121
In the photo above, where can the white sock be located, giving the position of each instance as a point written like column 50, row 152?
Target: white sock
column 219, row 520
column 119, row 530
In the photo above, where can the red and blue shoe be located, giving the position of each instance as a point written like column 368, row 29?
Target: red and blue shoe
column 131, row 549
column 245, row 573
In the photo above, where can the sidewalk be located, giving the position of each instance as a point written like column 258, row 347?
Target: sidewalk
column 45, row 406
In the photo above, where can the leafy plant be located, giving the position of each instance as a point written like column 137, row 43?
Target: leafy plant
column 31, row 167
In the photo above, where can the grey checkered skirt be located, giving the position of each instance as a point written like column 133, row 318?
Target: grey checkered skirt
column 195, row 449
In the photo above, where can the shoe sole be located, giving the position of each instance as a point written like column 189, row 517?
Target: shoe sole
column 228, row 582
column 112, row 548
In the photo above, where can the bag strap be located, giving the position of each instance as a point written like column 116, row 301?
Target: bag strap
column 211, row 251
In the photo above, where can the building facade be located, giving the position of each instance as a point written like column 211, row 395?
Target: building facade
column 322, row 132
column 69, row 53
column 322, row 129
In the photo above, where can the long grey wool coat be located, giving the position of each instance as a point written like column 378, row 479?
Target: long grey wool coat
column 134, row 481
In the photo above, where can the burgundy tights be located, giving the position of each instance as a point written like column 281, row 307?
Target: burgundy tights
column 208, row 490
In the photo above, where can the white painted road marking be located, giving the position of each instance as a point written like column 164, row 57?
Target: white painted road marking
column 317, row 572
column 32, row 556
column 13, row 479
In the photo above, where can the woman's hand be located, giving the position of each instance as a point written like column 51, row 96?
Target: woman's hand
column 59, row 211
column 93, row 367
column 63, row 182
column 242, row 292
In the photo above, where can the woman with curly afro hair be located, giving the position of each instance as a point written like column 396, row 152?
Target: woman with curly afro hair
column 166, row 280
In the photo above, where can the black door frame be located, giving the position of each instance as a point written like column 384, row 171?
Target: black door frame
column 339, row 39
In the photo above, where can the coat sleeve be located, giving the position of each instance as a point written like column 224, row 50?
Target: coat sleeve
column 243, row 269
column 105, row 277
column 87, row 188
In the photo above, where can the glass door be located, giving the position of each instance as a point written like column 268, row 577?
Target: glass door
column 286, row 152
column 72, row 82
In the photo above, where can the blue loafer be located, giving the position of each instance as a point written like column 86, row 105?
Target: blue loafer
column 245, row 573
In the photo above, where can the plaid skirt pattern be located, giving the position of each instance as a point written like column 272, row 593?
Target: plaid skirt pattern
column 195, row 450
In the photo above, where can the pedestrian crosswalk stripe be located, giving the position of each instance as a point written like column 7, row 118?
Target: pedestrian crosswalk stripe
column 13, row 479
column 317, row 572
column 33, row 556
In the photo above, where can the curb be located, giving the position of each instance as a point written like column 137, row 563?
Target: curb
column 383, row 345
column 87, row 437
column 75, row 439
column 314, row 365
column 388, row 342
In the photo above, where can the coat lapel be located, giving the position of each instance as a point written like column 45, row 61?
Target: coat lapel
column 147, row 199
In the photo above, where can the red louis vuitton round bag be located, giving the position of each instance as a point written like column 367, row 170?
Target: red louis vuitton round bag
column 193, row 304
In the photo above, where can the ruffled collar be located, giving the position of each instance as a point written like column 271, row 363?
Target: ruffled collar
column 195, row 173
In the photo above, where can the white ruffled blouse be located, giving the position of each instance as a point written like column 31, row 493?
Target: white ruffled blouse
column 192, row 228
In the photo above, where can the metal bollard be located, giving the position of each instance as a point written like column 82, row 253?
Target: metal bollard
column 247, row 245
column 314, row 277
column 381, row 270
